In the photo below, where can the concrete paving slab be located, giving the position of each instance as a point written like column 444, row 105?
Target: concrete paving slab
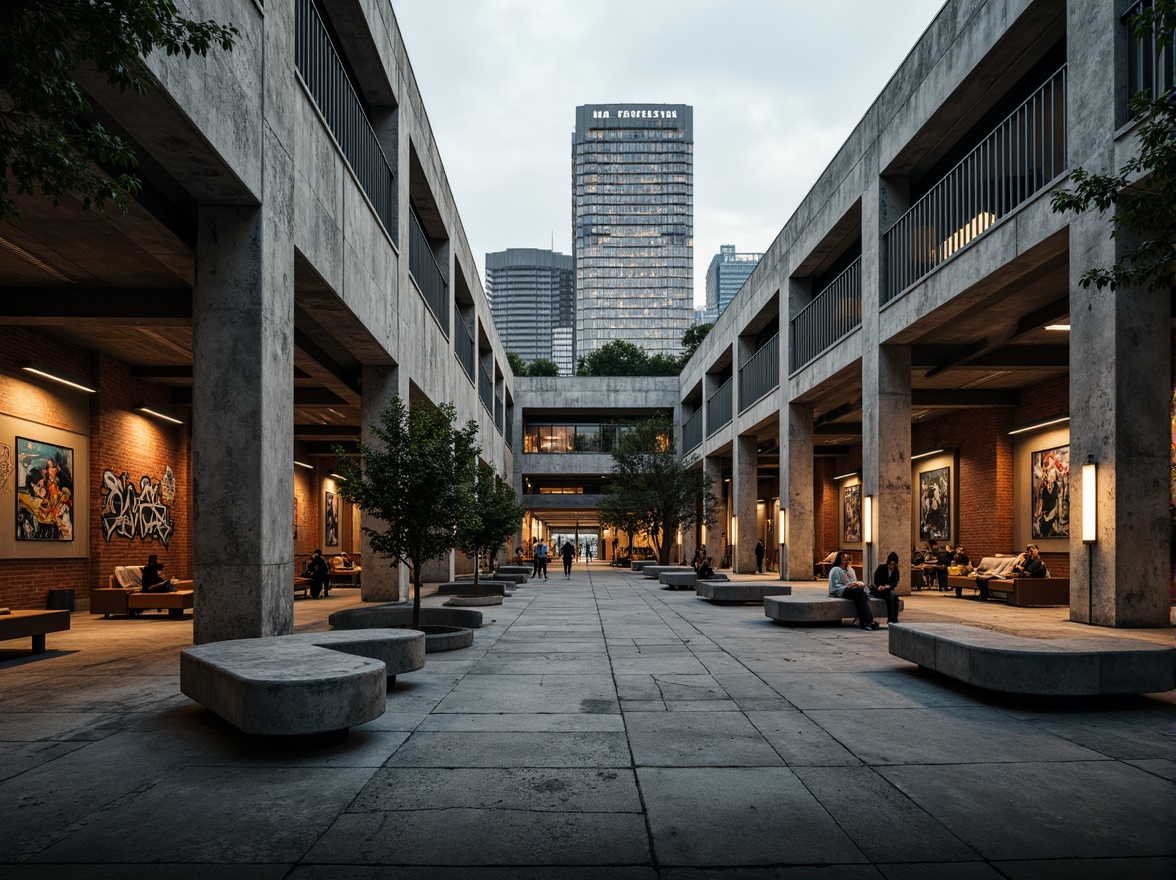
column 64, row 726
column 513, row 749
column 18, row 757
column 938, row 870
column 1046, row 810
column 572, row 790
column 540, row 664
column 1115, row 737
column 481, row 872
column 702, row 706
column 739, row 816
column 946, row 735
column 532, row 693
column 889, row 690
column 172, row 871
column 1165, row 768
column 800, row 741
column 654, row 664
column 501, row 837
column 686, row 739
column 1091, row 869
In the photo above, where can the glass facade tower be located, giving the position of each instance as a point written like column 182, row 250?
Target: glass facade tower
column 633, row 225
column 725, row 275
column 531, row 298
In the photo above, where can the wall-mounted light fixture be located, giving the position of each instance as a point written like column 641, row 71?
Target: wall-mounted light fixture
column 868, row 519
column 783, row 526
column 309, row 467
column 1058, row 421
column 1089, row 501
column 55, row 375
column 339, row 477
column 847, row 476
column 157, row 414
column 1065, row 327
column 926, row 454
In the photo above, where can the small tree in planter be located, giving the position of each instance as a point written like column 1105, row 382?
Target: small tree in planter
column 492, row 516
column 419, row 485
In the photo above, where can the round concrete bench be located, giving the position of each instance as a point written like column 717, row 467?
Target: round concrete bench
column 466, row 588
column 810, row 610
column 740, row 592
column 679, row 580
column 1081, row 666
column 300, row 685
column 376, row 616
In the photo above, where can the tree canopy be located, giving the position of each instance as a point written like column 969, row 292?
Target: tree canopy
column 543, row 367
column 49, row 144
column 492, row 516
column 652, row 490
column 692, row 338
column 518, row 366
column 418, row 481
column 620, row 358
column 1143, row 191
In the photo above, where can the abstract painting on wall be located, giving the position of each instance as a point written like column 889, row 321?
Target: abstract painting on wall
column 331, row 536
column 44, row 491
column 935, row 504
column 851, row 504
column 1051, row 492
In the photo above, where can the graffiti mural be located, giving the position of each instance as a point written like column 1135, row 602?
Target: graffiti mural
column 6, row 470
column 136, row 510
column 44, row 491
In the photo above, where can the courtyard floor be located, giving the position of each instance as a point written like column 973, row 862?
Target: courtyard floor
column 599, row 727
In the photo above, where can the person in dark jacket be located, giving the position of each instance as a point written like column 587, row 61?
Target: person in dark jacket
column 319, row 582
column 759, row 557
column 885, row 586
column 567, row 551
column 153, row 581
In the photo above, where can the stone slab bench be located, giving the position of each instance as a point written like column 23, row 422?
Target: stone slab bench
column 301, row 685
column 678, row 580
column 656, row 571
column 1076, row 666
column 639, row 564
column 34, row 624
column 524, row 570
column 740, row 592
column 395, row 614
column 466, row 588
column 809, row 610
column 501, row 577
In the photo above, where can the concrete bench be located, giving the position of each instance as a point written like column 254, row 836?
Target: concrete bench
column 810, row 610
column 395, row 614
column 1077, row 666
column 678, row 580
column 524, row 570
column 33, row 623
column 466, row 588
column 740, row 592
column 302, row 685
column 656, row 571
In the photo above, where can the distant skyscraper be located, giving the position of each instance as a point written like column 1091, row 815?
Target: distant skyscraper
column 532, row 300
column 633, row 224
column 704, row 316
column 725, row 275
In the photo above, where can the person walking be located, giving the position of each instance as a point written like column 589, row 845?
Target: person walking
column 759, row 557
column 541, row 559
column 843, row 584
column 319, row 575
column 568, row 552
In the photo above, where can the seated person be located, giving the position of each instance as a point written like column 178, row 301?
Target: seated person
column 345, row 560
column 885, row 586
column 707, row 569
column 843, row 584
column 961, row 558
column 1032, row 566
column 153, row 581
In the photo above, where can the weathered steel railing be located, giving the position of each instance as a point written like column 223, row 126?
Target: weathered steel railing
column 464, row 348
column 1151, row 67
column 718, row 409
column 692, row 431
column 834, row 312
column 760, row 374
column 427, row 274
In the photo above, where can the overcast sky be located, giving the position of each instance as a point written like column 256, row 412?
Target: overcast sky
column 776, row 86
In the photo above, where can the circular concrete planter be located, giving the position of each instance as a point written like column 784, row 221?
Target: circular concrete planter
column 446, row 638
column 472, row 601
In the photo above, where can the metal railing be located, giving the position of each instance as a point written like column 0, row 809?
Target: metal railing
column 427, row 274
column 760, row 374
column 322, row 71
column 692, row 431
column 508, row 429
column 464, row 348
column 1150, row 67
column 718, row 409
column 499, row 413
column 1017, row 159
column 834, row 312
column 486, row 391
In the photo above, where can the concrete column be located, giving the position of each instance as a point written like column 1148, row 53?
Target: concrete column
column 886, row 389
column 744, row 488
column 381, row 580
column 796, row 492
column 718, row 525
column 243, row 418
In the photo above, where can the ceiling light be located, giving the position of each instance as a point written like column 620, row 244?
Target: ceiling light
column 926, row 454
column 57, row 376
column 847, row 476
column 309, row 467
column 339, row 477
column 1057, row 326
column 146, row 410
column 984, row 379
column 1037, row 425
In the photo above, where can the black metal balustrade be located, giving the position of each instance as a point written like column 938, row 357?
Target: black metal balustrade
column 1015, row 161
column 486, row 391
column 692, row 431
column 499, row 413
column 508, row 429
column 718, row 409
column 760, row 374
column 465, row 348
column 834, row 312
column 322, row 71
column 427, row 274
column 1151, row 68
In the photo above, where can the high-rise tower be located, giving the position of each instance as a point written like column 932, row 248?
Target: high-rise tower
column 530, row 293
column 633, row 224
column 725, row 275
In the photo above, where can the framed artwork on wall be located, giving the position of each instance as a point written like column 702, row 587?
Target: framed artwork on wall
column 44, row 491
column 1050, row 481
column 851, row 506
column 935, row 504
column 331, row 536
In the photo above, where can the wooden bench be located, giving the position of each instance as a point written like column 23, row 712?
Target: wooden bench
column 1075, row 666
column 22, row 624
column 810, row 610
column 1017, row 591
column 130, row 602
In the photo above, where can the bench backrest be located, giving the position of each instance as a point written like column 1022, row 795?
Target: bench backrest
column 129, row 576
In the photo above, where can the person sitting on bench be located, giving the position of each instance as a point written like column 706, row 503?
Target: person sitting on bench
column 707, row 569
column 153, row 581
